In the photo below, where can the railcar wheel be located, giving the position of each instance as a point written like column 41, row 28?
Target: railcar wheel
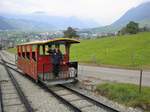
column 75, row 81
column 36, row 81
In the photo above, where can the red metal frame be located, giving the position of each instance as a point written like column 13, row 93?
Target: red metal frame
column 28, row 66
column 42, row 64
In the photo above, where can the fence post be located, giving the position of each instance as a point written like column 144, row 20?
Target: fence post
column 140, row 83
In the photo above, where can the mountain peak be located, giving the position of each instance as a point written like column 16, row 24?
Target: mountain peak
column 135, row 14
column 138, row 14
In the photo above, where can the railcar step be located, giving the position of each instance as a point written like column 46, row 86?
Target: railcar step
column 55, row 82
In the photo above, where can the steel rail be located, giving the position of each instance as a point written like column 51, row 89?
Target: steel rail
column 10, row 63
column 18, row 88
column 1, row 100
column 99, row 104
column 45, row 87
column 71, row 106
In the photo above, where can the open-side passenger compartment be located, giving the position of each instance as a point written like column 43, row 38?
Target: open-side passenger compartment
column 34, row 60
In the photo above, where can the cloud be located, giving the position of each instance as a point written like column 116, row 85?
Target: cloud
column 103, row 11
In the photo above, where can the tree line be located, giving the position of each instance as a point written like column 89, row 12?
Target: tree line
column 132, row 28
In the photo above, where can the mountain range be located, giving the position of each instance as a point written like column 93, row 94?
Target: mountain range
column 41, row 21
column 4, row 25
column 139, row 14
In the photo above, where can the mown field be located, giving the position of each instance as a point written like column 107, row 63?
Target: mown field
column 121, row 51
column 127, row 94
column 129, row 51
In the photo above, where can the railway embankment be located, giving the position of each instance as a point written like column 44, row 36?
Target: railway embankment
column 85, row 89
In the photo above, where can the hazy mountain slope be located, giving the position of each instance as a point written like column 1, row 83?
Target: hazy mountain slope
column 62, row 22
column 4, row 25
column 138, row 14
column 29, row 25
column 42, row 21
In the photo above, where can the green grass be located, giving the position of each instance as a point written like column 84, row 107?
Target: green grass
column 127, row 94
column 124, row 51
column 12, row 50
column 129, row 51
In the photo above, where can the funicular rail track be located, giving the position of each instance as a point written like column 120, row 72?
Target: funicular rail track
column 67, row 102
column 71, row 106
column 93, row 101
column 26, row 105
column 45, row 87
column 1, row 102
column 77, row 97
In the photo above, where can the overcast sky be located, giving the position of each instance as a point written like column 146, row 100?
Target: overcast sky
column 102, row 11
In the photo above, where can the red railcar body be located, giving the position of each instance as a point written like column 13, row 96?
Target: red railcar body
column 33, row 60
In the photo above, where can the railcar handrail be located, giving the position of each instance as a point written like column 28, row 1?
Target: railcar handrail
column 61, row 70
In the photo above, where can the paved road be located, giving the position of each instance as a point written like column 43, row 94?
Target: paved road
column 97, row 74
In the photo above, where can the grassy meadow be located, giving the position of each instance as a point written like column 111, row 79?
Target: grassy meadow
column 127, row 94
column 120, row 51
column 128, row 51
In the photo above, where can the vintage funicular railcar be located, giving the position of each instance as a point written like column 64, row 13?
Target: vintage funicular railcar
column 33, row 59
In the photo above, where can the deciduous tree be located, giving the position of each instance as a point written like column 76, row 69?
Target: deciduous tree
column 70, row 33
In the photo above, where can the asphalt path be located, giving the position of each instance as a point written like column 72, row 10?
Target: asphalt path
column 102, row 74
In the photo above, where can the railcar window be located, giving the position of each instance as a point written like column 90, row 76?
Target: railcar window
column 23, row 54
column 62, row 49
column 23, row 51
column 33, row 52
column 41, row 52
column 34, row 47
column 19, row 54
column 19, row 51
column 48, row 49
column 28, row 52
column 28, row 55
column 33, row 56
